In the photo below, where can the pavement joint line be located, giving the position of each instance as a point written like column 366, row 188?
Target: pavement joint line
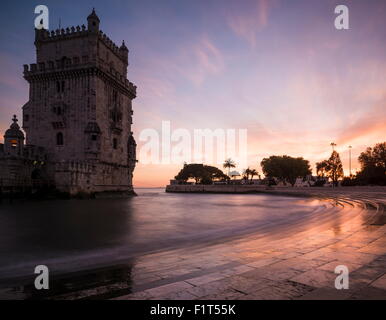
column 184, row 277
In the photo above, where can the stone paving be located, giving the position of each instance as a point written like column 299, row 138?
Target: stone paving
column 296, row 263
column 296, row 260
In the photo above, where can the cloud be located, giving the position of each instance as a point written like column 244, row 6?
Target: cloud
column 194, row 60
column 200, row 60
column 373, row 123
column 247, row 24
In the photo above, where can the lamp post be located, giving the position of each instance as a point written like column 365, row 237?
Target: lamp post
column 349, row 154
column 333, row 144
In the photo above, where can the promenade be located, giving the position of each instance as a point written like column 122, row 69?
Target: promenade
column 290, row 258
column 296, row 263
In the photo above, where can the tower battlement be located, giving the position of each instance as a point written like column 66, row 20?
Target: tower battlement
column 74, row 66
column 44, row 36
column 72, row 46
column 80, row 109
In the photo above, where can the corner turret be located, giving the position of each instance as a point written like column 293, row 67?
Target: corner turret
column 14, row 139
column 124, row 52
column 93, row 22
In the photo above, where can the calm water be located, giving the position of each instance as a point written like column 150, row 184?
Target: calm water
column 70, row 235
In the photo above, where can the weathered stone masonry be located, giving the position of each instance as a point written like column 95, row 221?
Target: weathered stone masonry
column 80, row 109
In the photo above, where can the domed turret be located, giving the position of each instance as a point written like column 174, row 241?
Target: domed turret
column 124, row 52
column 123, row 46
column 14, row 130
column 14, row 139
column 93, row 22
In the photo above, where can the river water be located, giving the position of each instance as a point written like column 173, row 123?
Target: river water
column 71, row 235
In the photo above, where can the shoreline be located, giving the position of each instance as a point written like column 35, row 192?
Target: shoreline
column 371, row 197
column 198, row 188
column 318, row 192
column 143, row 280
column 53, row 195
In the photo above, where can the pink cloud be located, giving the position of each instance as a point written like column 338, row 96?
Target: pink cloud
column 247, row 25
column 200, row 60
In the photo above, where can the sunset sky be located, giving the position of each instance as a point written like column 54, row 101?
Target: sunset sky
column 277, row 68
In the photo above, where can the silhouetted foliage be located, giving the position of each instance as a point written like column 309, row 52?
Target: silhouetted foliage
column 321, row 168
column 202, row 174
column 285, row 168
column 348, row 182
column 228, row 164
column 373, row 165
column 248, row 174
column 334, row 168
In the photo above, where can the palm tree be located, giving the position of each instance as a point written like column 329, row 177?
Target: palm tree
column 253, row 172
column 246, row 173
column 229, row 163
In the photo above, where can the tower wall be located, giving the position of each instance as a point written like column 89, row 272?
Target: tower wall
column 80, row 108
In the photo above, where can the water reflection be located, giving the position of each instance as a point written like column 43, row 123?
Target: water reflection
column 103, row 283
column 76, row 234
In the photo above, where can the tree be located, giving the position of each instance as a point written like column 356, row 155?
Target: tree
column 246, row 174
column 285, row 168
column 321, row 168
column 215, row 173
column 334, row 168
column 374, row 156
column 249, row 173
column 200, row 173
column 228, row 164
column 253, row 172
column 373, row 165
column 190, row 171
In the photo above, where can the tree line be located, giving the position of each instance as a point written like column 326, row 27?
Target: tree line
column 288, row 169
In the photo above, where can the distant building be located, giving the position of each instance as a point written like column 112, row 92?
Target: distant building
column 78, row 119
column 307, row 181
column 176, row 182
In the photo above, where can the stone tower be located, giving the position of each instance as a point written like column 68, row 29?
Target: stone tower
column 80, row 108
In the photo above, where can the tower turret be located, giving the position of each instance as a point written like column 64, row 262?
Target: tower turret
column 39, row 34
column 124, row 52
column 14, row 139
column 93, row 22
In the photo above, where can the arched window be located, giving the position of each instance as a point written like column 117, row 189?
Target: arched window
column 60, row 86
column 59, row 139
column 13, row 143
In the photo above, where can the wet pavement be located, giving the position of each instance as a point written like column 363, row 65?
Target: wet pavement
column 298, row 262
column 295, row 259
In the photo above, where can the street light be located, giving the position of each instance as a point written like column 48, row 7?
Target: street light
column 349, row 153
column 333, row 144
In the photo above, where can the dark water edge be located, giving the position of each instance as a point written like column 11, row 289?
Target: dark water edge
column 93, row 243
column 54, row 194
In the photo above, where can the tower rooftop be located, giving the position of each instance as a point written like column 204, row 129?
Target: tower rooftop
column 14, row 130
column 93, row 15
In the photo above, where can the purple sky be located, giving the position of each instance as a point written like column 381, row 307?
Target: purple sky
column 277, row 68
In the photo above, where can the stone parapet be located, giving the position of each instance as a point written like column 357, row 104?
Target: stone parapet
column 49, row 70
